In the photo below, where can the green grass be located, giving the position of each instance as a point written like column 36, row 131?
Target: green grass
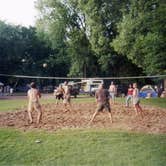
column 81, row 148
column 14, row 104
column 156, row 102
column 159, row 102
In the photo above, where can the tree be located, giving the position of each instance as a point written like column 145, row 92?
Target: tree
column 66, row 26
column 141, row 35
column 101, row 18
column 22, row 52
column 86, row 28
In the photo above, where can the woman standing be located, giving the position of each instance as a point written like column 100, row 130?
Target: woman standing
column 129, row 95
column 136, row 100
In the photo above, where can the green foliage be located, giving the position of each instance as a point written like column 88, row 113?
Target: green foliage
column 88, row 38
column 21, row 50
column 141, row 35
column 64, row 26
column 86, row 28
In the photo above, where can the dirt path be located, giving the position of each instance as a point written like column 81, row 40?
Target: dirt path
column 56, row 118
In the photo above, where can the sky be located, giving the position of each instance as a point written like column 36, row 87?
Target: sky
column 18, row 12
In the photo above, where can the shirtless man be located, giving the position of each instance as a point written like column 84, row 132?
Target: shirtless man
column 33, row 102
column 112, row 91
column 67, row 95
column 102, row 99
column 59, row 94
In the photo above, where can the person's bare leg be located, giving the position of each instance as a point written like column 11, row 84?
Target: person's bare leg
column 113, row 100
column 94, row 115
column 141, row 111
column 110, row 116
column 65, row 105
column 70, row 106
column 136, row 109
column 30, row 117
column 39, row 116
column 110, row 101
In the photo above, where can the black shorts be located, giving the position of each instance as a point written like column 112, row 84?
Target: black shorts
column 59, row 96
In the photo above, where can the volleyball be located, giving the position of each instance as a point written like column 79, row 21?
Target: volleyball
column 44, row 64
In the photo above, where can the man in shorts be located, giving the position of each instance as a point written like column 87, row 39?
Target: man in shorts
column 102, row 99
column 58, row 93
column 67, row 95
column 112, row 91
column 33, row 102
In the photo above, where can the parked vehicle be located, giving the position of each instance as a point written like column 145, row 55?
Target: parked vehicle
column 90, row 86
column 74, row 87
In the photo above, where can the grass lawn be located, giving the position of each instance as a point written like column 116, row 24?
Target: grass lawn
column 81, row 148
column 14, row 104
column 159, row 102
column 156, row 102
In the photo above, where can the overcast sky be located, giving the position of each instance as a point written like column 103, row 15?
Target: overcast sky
column 20, row 12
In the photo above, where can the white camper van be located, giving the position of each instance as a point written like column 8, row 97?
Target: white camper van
column 91, row 85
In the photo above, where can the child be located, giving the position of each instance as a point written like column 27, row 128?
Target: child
column 136, row 100
column 129, row 95
column 33, row 102
column 102, row 99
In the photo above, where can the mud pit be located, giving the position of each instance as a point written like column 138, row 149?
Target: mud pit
column 56, row 118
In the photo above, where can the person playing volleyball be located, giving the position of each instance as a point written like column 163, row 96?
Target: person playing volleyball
column 102, row 99
column 129, row 95
column 67, row 95
column 136, row 100
column 59, row 93
column 33, row 102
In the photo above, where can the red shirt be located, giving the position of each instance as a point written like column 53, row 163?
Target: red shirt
column 130, row 91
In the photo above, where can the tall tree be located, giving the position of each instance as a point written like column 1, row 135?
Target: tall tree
column 142, row 35
column 86, row 29
column 22, row 50
column 66, row 26
column 101, row 18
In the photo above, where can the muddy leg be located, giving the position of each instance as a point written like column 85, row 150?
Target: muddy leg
column 30, row 116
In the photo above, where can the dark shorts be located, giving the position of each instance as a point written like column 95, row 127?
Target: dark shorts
column 59, row 96
column 101, row 106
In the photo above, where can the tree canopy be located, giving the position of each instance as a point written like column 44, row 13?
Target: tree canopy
column 88, row 38
column 86, row 28
column 142, row 35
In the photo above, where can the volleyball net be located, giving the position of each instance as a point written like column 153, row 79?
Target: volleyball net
column 20, row 83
